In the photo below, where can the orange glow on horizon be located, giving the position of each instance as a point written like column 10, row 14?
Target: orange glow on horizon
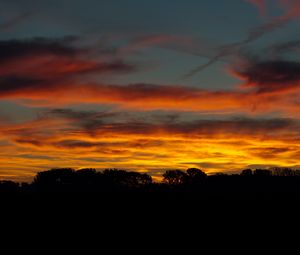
column 21, row 159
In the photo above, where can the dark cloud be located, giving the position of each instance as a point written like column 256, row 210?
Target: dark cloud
column 82, row 144
column 41, row 69
column 49, row 130
column 42, row 64
column 12, row 49
column 75, row 144
column 270, row 75
column 232, row 166
column 205, row 127
column 241, row 126
column 88, row 120
column 30, row 141
column 79, row 115
column 275, row 70
column 38, row 157
column 11, row 84
column 269, row 152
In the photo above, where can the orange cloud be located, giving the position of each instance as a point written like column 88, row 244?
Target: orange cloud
column 56, row 72
column 80, row 139
column 150, row 97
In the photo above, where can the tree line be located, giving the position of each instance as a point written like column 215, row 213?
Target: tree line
column 115, row 180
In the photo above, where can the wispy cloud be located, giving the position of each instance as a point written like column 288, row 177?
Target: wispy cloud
column 270, row 70
column 15, row 21
column 57, row 73
column 291, row 11
column 261, row 5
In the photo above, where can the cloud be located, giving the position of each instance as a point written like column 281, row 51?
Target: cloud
column 147, row 146
column 55, row 64
column 107, row 146
column 279, row 49
column 34, row 142
column 228, row 50
column 78, row 115
column 271, row 71
column 271, row 152
column 291, row 7
column 16, row 49
column 15, row 21
column 57, row 72
column 145, row 97
column 146, row 41
column 261, row 5
column 142, row 96
column 73, row 144
column 50, row 66
column 42, row 63
column 48, row 127
column 291, row 11
column 88, row 120
column 180, row 43
column 270, row 75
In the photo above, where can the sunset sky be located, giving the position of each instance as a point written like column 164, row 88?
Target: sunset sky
column 148, row 85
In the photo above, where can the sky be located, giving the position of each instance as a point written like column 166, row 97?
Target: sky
column 148, row 86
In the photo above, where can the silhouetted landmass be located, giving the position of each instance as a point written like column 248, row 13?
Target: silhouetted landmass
column 190, row 185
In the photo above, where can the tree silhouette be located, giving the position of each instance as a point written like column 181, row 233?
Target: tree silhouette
column 262, row 173
column 174, row 177
column 126, row 179
column 247, row 172
column 9, row 186
column 284, row 172
column 195, row 175
column 112, row 184
column 54, row 179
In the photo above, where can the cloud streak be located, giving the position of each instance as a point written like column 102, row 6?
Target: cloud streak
column 143, row 96
column 261, row 5
column 11, row 23
column 292, row 11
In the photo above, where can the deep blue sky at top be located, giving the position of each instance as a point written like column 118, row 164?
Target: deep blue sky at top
column 214, row 22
